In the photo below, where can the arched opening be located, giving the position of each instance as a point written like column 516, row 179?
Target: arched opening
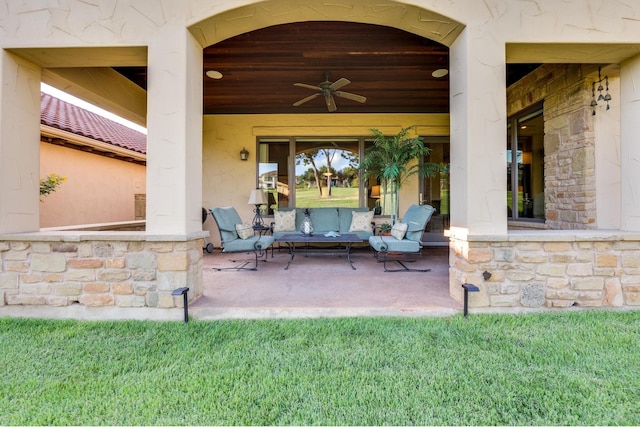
column 284, row 132
column 400, row 77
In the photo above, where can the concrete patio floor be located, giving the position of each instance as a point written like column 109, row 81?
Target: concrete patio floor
column 323, row 286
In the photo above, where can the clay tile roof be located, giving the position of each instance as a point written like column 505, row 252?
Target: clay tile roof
column 59, row 114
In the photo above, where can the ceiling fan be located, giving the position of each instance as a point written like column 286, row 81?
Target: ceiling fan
column 327, row 90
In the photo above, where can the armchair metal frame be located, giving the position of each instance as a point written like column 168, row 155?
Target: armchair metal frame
column 385, row 256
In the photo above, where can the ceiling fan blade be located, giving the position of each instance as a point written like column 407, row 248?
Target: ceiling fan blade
column 351, row 96
column 308, row 98
column 319, row 89
column 331, row 103
column 339, row 83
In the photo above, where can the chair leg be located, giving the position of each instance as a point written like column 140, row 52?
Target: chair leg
column 386, row 258
column 244, row 264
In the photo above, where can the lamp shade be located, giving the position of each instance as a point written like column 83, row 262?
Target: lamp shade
column 375, row 192
column 257, row 197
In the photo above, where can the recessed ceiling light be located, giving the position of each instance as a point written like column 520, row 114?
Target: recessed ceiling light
column 213, row 74
column 440, row 72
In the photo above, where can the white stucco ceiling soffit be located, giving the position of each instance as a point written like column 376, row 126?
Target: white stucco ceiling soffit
column 570, row 53
column 86, row 73
column 59, row 57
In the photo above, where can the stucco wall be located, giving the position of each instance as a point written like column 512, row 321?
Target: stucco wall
column 227, row 181
column 97, row 188
column 167, row 37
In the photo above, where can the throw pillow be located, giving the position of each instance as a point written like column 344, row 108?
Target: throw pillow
column 244, row 231
column 399, row 230
column 361, row 221
column 284, row 220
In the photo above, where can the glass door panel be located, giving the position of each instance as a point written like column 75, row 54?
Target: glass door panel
column 435, row 191
column 327, row 172
column 525, row 154
column 273, row 172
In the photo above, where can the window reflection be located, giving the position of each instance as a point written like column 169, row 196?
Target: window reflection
column 310, row 172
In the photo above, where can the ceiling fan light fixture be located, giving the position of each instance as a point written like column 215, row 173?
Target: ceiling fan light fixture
column 327, row 90
column 440, row 72
column 213, row 74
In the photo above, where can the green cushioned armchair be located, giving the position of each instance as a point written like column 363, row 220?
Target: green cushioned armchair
column 226, row 219
column 387, row 248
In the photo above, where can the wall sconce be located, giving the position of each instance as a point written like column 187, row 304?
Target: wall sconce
column 606, row 97
column 244, row 154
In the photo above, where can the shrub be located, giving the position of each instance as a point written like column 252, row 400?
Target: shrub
column 50, row 183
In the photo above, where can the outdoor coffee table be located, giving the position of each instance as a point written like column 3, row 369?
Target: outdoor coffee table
column 342, row 245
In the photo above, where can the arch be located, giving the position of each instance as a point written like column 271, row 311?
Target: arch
column 413, row 19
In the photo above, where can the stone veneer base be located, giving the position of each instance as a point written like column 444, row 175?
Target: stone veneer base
column 132, row 275
column 535, row 268
column 123, row 270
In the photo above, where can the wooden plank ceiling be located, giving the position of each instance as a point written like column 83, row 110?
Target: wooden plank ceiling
column 391, row 68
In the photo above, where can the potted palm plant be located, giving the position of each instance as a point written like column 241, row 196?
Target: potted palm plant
column 391, row 160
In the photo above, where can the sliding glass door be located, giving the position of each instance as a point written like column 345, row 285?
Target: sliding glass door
column 434, row 191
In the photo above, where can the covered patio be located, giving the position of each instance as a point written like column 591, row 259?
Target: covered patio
column 323, row 287
column 585, row 251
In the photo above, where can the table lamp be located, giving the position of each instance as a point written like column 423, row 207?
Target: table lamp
column 257, row 198
column 375, row 194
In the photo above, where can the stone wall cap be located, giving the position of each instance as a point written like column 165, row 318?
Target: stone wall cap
column 557, row 236
column 83, row 236
column 103, row 226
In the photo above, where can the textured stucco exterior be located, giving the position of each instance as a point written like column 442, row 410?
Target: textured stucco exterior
column 98, row 189
column 42, row 42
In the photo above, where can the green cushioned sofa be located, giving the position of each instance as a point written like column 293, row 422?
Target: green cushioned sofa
column 325, row 220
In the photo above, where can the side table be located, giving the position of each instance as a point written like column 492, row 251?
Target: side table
column 261, row 229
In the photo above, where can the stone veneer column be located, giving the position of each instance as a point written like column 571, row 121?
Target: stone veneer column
column 629, row 147
column 174, row 140
column 19, row 144
column 478, row 134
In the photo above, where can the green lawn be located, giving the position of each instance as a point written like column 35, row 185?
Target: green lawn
column 340, row 196
column 569, row 368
